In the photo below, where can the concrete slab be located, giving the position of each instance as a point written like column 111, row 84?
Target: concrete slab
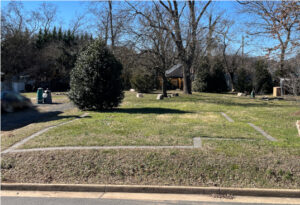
column 197, row 142
column 269, row 137
column 227, row 117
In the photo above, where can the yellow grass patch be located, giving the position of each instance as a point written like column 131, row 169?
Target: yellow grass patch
column 208, row 117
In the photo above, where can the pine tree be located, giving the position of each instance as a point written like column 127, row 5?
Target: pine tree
column 54, row 33
column 40, row 39
column 200, row 83
column 69, row 35
column 86, row 36
column 244, row 81
column 46, row 35
column 60, row 34
column 263, row 79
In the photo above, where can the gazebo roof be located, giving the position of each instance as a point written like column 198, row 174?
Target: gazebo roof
column 174, row 72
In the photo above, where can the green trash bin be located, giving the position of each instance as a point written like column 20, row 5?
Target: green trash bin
column 39, row 95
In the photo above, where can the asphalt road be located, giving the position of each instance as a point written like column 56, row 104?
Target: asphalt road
column 79, row 201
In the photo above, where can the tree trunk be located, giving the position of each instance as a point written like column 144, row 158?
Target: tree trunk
column 164, row 85
column 231, row 81
column 111, row 25
column 282, row 56
column 187, row 87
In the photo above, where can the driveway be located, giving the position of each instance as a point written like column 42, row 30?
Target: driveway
column 39, row 113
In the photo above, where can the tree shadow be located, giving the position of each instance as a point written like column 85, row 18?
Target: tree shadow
column 16, row 120
column 148, row 110
column 233, row 101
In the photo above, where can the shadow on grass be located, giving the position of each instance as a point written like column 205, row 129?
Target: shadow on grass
column 11, row 121
column 148, row 110
column 231, row 101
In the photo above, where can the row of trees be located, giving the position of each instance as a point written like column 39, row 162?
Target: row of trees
column 33, row 48
column 150, row 37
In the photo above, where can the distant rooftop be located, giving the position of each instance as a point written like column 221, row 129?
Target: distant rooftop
column 174, row 72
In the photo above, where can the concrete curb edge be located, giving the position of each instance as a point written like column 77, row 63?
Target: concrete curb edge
column 295, row 193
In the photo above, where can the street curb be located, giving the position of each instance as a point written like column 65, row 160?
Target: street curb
column 295, row 193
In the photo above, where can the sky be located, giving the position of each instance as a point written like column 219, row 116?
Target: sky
column 67, row 10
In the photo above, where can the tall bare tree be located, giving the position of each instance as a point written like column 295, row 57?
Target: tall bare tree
column 45, row 16
column 231, row 58
column 186, row 47
column 157, row 41
column 182, row 23
column 279, row 20
column 111, row 20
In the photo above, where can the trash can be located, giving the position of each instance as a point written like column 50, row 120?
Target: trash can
column 39, row 95
column 253, row 94
column 47, row 96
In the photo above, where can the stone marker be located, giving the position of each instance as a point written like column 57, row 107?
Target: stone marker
column 160, row 97
column 241, row 94
column 139, row 95
column 298, row 126
column 132, row 90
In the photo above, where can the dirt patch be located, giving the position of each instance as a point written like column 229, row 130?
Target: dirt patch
column 162, row 167
column 209, row 117
column 164, row 117
column 296, row 113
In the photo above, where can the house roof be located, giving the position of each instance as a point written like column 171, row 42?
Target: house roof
column 174, row 72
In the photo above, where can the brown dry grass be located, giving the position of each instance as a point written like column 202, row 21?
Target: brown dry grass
column 162, row 167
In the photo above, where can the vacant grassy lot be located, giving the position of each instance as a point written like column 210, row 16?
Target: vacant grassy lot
column 175, row 121
column 250, row 161
column 8, row 138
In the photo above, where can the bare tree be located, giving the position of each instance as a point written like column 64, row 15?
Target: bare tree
column 157, row 41
column 213, row 26
column 111, row 21
column 77, row 23
column 182, row 30
column 231, row 60
column 277, row 20
column 13, row 19
column 45, row 16
column 186, row 47
column 292, row 82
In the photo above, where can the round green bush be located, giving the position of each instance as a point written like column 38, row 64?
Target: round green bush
column 96, row 82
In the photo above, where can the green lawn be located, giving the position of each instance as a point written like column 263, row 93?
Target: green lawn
column 8, row 138
column 252, row 161
column 176, row 121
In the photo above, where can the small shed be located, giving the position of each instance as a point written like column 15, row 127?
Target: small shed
column 175, row 75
